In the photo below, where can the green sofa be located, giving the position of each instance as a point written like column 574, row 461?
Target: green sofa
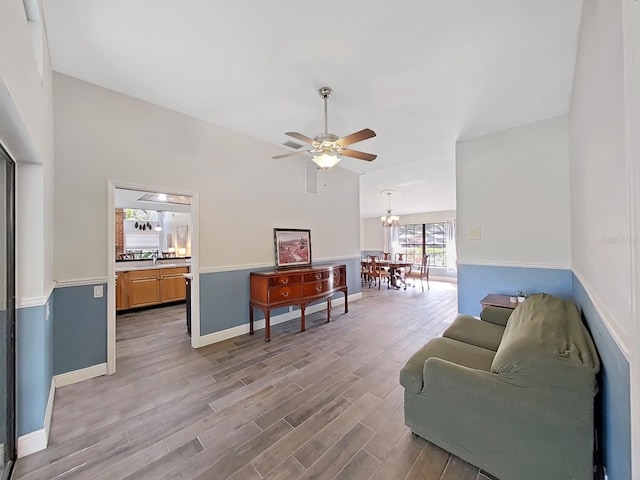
column 511, row 393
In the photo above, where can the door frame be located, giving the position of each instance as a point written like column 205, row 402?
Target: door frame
column 10, row 452
column 112, row 185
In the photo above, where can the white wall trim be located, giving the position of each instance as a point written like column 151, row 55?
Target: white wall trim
column 35, row 301
column 32, row 302
column 631, row 62
column 80, row 282
column 232, row 332
column 612, row 327
column 35, row 441
column 253, row 266
column 49, row 411
column 32, row 442
column 516, row 265
column 436, row 278
column 76, row 376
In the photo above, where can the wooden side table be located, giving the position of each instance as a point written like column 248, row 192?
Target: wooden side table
column 496, row 300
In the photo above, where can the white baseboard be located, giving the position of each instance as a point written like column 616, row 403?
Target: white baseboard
column 436, row 278
column 35, row 441
column 80, row 375
column 216, row 337
column 32, row 442
column 49, row 411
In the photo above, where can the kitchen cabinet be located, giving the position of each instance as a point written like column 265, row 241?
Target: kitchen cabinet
column 143, row 288
column 153, row 286
column 173, row 286
column 119, row 282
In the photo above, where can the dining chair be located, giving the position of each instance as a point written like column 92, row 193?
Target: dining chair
column 364, row 271
column 400, row 272
column 386, row 256
column 376, row 272
column 421, row 272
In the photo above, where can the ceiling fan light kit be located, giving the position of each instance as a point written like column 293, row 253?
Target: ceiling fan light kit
column 328, row 148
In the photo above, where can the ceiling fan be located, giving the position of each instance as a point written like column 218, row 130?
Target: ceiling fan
column 327, row 147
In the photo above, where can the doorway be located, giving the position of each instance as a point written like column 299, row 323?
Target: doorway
column 166, row 239
column 7, row 316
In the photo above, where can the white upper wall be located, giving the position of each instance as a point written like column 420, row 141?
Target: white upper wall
column 102, row 135
column 600, row 215
column 26, row 131
column 514, row 186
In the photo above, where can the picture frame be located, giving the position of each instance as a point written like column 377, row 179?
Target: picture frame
column 292, row 247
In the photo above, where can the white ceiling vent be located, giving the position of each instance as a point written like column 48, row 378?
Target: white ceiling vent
column 291, row 144
column 312, row 178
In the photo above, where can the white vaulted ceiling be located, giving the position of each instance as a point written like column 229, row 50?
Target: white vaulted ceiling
column 421, row 73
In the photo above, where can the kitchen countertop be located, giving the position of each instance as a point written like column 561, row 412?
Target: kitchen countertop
column 130, row 268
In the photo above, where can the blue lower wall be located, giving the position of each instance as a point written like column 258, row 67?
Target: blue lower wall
column 615, row 390
column 79, row 328
column 476, row 281
column 224, row 296
column 34, row 365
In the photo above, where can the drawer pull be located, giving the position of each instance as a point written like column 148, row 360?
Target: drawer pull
column 284, row 294
column 284, row 280
column 318, row 289
column 318, row 276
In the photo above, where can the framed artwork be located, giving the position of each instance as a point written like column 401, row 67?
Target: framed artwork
column 182, row 232
column 292, row 247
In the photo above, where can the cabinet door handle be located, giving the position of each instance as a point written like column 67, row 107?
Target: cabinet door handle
column 284, row 294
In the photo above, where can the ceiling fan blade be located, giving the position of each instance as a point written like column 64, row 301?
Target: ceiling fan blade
column 301, row 137
column 356, row 154
column 291, row 154
column 356, row 137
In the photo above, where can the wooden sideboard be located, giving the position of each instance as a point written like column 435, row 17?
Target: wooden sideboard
column 276, row 289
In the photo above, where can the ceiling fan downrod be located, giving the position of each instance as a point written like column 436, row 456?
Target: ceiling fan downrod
column 325, row 93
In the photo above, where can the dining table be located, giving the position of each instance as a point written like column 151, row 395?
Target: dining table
column 395, row 271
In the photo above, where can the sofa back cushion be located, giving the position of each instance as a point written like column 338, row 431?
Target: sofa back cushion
column 545, row 343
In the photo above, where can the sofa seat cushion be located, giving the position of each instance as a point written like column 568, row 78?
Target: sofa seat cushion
column 411, row 377
column 468, row 329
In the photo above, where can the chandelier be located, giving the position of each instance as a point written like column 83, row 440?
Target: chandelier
column 389, row 220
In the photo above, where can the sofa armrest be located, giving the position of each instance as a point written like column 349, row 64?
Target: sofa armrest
column 497, row 315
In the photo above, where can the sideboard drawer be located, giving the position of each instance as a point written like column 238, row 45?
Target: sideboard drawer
column 315, row 276
column 285, row 280
column 316, row 288
column 339, row 277
column 284, row 293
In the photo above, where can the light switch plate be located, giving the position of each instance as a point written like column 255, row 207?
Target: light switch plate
column 98, row 291
column 475, row 233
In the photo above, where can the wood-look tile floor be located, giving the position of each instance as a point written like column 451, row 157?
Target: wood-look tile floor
column 320, row 404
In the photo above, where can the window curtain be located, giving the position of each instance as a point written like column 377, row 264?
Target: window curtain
column 452, row 259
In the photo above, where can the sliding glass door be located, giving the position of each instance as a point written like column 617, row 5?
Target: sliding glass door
column 7, row 315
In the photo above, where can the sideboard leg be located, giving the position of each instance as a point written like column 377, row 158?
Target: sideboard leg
column 328, row 309
column 267, row 326
column 346, row 301
column 303, row 326
column 250, row 319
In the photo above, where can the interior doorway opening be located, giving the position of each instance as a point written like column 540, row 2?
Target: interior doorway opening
column 152, row 259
